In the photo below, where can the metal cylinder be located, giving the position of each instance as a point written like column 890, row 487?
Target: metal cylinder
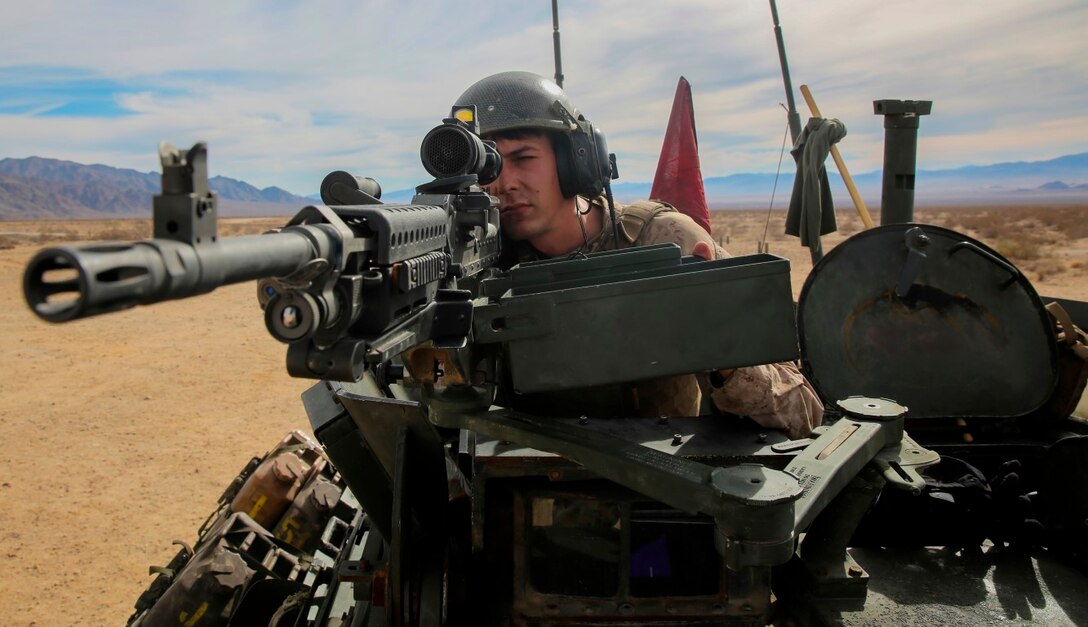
column 900, row 156
column 67, row 282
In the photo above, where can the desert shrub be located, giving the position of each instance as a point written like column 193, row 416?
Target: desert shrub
column 1046, row 268
column 124, row 230
column 987, row 225
column 249, row 226
column 1070, row 221
column 1023, row 242
column 129, row 230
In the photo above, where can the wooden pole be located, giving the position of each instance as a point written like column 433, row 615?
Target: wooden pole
column 846, row 178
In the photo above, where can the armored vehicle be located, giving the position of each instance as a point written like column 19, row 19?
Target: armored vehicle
column 438, row 492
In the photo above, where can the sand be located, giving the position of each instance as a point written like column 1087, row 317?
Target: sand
column 120, row 432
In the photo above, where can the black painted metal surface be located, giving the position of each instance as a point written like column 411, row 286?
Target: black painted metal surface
column 929, row 317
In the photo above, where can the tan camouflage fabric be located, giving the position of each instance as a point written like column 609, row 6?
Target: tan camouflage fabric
column 651, row 222
column 776, row 396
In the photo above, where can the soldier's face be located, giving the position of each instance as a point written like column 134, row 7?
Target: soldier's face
column 531, row 204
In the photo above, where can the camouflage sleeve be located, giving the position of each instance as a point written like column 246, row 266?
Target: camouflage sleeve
column 776, row 396
column 679, row 229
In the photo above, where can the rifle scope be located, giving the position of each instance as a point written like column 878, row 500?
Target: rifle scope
column 452, row 150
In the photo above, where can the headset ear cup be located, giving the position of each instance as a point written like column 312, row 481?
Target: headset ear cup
column 581, row 159
column 587, row 163
column 604, row 163
column 565, row 164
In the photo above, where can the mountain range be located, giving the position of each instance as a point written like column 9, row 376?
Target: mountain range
column 38, row 188
column 1061, row 180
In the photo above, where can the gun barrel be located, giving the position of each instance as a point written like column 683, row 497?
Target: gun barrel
column 68, row 282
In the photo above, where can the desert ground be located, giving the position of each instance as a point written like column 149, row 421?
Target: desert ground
column 121, row 431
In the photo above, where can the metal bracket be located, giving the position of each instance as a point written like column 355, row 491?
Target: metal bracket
column 916, row 242
column 757, row 510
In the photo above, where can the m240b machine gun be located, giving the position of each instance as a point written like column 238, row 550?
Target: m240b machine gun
column 344, row 288
column 443, row 492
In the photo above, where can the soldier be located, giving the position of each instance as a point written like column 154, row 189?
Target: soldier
column 554, row 168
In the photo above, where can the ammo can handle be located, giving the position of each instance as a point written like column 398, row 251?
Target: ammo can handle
column 985, row 254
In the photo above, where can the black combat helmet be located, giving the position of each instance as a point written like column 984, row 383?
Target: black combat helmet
column 520, row 100
column 512, row 101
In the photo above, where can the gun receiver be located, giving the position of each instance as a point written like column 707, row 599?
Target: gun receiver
column 344, row 286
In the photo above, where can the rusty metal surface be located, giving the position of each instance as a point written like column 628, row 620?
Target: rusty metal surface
column 946, row 327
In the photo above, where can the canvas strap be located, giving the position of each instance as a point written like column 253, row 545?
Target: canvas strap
column 635, row 216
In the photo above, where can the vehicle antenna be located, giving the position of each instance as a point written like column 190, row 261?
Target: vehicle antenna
column 763, row 246
column 791, row 115
column 555, row 41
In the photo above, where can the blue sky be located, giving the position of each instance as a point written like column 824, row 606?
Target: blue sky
column 284, row 92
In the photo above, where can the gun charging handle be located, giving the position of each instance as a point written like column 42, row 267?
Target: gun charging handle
column 341, row 188
column 291, row 315
column 293, row 309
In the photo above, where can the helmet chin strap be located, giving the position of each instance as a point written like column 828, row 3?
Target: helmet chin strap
column 582, row 222
column 580, row 213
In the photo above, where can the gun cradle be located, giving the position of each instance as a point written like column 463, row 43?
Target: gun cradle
column 685, row 478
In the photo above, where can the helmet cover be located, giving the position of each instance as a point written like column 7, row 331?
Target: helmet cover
column 520, row 100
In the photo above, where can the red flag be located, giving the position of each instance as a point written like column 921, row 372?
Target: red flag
column 679, row 180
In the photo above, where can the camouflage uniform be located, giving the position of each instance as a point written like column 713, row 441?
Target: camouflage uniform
column 774, row 395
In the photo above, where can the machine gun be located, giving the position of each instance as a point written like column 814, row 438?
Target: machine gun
column 346, row 286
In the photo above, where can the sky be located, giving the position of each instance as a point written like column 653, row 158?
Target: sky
column 284, row 92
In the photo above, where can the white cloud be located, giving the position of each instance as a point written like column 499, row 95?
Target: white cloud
column 286, row 91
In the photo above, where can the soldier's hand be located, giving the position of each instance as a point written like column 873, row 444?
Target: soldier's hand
column 703, row 251
column 719, row 377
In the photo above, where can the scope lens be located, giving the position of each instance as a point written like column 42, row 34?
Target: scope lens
column 450, row 150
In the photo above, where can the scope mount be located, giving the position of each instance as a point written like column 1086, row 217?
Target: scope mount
column 448, row 185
